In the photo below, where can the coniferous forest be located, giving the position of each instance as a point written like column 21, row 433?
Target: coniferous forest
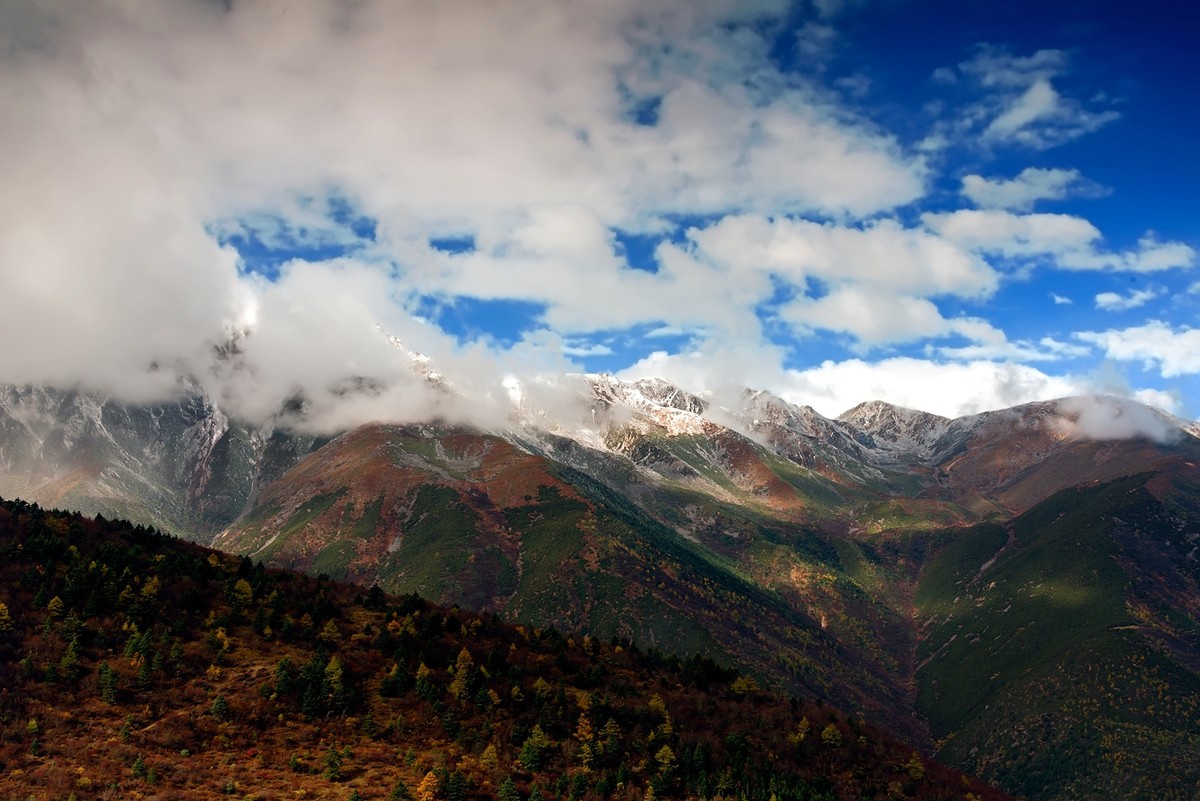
column 136, row 665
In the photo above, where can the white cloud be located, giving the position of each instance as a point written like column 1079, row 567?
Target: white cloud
column 1106, row 417
column 883, row 254
column 1060, row 300
column 1113, row 302
column 1072, row 243
column 994, row 67
column 583, row 348
column 137, row 133
column 1020, row 193
column 1047, row 349
column 1158, row 398
column 1156, row 345
column 950, row 389
column 1020, row 104
column 876, row 317
column 1038, row 102
column 815, row 43
column 944, row 75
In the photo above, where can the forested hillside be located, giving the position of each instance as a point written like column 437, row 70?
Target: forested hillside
column 134, row 665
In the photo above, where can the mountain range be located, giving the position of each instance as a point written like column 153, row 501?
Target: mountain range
column 1014, row 591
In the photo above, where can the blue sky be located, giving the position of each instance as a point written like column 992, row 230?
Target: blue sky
column 951, row 205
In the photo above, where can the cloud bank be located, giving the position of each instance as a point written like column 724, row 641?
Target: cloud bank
column 261, row 197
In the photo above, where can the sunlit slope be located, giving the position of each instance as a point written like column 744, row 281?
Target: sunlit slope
column 470, row 519
column 1060, row 653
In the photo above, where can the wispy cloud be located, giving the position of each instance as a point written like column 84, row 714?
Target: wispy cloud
column 1114, row 302
column 1027, row 188
column 1018, row 102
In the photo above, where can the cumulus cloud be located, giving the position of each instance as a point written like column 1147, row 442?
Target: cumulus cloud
column 883, row 254
column 1047, row 349
column 1069, row 242
column 874, row 317
column 951, row 389
column 1029, row 186
column 147, row 142
column 141, row 136
column 1156, row 345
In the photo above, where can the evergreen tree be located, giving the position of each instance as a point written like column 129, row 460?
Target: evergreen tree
column 108, row 684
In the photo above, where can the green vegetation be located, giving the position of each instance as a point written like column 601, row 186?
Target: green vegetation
column 1047, row 642
column 246, row 681
column 433, row 546
column 366, row 526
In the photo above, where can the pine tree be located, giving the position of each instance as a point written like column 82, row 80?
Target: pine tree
column 219, row 708
column 507, row 791
column 108, row 684
column 462, row 675
column 427, row 789
column 333, row 764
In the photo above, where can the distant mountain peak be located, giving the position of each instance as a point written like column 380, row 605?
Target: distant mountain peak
column 894, row 432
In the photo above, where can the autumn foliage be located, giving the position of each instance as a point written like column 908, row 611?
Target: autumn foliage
column 136, row 665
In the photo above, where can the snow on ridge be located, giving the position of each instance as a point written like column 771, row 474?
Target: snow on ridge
column 896, row 433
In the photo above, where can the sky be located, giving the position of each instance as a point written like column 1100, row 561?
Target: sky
column 950, row 205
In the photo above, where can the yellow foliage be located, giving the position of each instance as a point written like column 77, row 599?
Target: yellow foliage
column 915, row 767
column 797, row 737
column 150, row 588
column 744, row 685
column 428, row 788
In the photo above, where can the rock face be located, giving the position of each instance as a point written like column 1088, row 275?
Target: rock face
column 182, row 465
column 895, row 434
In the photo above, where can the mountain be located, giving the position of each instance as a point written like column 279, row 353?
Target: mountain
column 182, row 465
column 135, row 665
column 849, row 559
column 1059, row 649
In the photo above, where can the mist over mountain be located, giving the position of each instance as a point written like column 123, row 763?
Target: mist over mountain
column 816, row 552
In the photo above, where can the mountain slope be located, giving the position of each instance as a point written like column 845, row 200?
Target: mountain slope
column 1074, row 626
column 183, row 465
column 470, row 519
column 277, row 685
column 823, row 556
